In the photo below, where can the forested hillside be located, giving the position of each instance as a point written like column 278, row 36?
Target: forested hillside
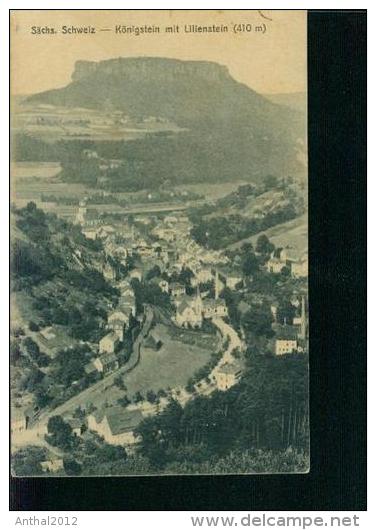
column 225, row 130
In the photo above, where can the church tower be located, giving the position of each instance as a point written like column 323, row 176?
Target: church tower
column 198, row 302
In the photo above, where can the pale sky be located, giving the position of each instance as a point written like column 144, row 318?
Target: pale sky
column 271, row 62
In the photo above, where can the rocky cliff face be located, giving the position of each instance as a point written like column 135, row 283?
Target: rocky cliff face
column 145, row 68
column 230, row 131
column 189, row 93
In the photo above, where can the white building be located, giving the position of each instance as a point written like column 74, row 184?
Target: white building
column 286, row 341
column 18, row 421
column 214, row 308
column 106, row 363
column 118, row 321
column 177, row 289
column 52, row 465
column 116, row 425
column 189, row 313
column 227, row 376
column 299, row 268
column 108, row 343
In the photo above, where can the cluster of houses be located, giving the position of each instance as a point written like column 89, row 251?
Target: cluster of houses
column 172, row 249
column 296, row 263
column 117, row 323
column 169, row 246
column 190, row 311
column 293, row 338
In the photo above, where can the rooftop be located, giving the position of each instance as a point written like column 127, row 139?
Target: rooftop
column 107, row 358
column 110, row 336
column 118, row 315
column 120, row 420
column 229, row 369
column 90, row 368
column 286, row 333
column 183, row 306
column 211, row 302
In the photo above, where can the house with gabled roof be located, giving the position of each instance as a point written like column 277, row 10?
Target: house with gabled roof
column 189, row 314
column 214, row 308
column 108, row 343
column 286, row 341
column 227, row 376
column 118, row 321
column 232, row 278
column 177, row 289
column 106, row 363
column 116, row 425
column 52, row 465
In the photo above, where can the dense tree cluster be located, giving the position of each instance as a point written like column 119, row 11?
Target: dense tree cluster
column 220, row 231
column 53, row 262
column 223, row 223
column 150, row 293
column 265, row 414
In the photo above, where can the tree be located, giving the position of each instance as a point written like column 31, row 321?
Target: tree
column 72, row 467
column 154, row 272
column 33, row 326
column 59, row 433
column 250, row 264
column 26, row 462
column 246, row 247
column 263, row 245
column 32, row 347
column 110, row 453
column 33, row 379
column 151, row 396
column 285, row 272
column 185, row 276
column 190, row 386
column 285, row 312
column 15, row 351
column 258, row 320
column 124, row 401
column 138, row 397
column 119, row 382
column 42, row 398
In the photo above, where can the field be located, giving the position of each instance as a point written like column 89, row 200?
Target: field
column 42, row 170
column 212, row 191
column 173, row 364
column 51, row 123
column 293, row 234
column 169, row 367
column 29, row 180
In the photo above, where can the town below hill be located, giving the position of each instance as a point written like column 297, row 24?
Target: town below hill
column 137, row 348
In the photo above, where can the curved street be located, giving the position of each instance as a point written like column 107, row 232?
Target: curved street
column 35, row 434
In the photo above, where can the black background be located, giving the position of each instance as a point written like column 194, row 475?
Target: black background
column 337, row 241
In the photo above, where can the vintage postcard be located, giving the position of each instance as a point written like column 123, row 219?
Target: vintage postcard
column 159, row 247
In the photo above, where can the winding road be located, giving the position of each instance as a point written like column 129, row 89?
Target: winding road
column 35, row 433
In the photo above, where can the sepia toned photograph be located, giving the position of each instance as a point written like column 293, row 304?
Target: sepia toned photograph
column 159, row 243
